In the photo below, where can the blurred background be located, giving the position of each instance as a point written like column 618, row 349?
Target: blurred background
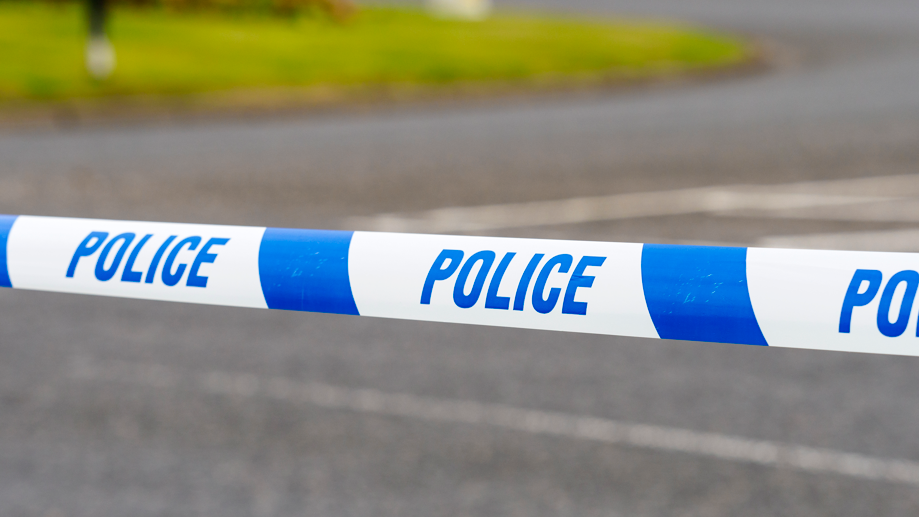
column 802, row 115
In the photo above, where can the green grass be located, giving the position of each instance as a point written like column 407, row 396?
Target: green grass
column 164, row 53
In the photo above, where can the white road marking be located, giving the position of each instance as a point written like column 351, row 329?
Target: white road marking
column 904, row 210
column 657, row 438
column 599, row 208
column 902, row 204
column 881, row 198
column 848, row 199
column 906, row 240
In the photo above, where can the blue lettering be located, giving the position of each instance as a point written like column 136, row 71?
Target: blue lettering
column 86, row 249
column 440, row 272
column 524, row 285
column 462, row 300
column 171, row 277
column 106, row 274
column 545, row 305
column 854, row 298
column 911, row 278
column 578, row 279
column 129, row 274
column 194, row 280
column 151, row 271
column 492, row 300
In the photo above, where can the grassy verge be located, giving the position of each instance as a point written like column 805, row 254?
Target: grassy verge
column 163, row 53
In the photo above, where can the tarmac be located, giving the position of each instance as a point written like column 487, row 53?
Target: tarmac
column 123, row 407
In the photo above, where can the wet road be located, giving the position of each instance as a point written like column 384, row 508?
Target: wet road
column 160, row 436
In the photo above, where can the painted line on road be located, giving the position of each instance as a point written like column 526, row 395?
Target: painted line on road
column 904, row 240
column 598, row 208
column 848, row 199
column 656, row 438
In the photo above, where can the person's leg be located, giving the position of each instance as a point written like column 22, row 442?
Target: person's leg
column 100, row 56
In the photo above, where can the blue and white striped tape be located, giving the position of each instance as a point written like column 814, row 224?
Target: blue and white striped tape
column 827, row 300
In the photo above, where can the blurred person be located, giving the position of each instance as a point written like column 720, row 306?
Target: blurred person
column 100, row 56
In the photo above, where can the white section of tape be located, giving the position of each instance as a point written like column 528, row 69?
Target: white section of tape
column 798, row 298
column 40, row 251
column 388, row 273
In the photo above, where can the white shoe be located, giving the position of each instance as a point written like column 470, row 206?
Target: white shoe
column 461, row 9
column 100, row 57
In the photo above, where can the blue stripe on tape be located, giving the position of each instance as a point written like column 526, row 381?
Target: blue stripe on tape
column 306, row 270
column 6, row 223
column 699, row 293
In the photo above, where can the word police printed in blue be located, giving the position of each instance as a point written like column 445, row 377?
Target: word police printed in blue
column 113, row 252
column 871, row 280
column 542, row 300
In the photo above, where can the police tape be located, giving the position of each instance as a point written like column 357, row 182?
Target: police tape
column 826, row 300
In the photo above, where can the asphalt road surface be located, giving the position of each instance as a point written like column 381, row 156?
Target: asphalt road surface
column 115, row 407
